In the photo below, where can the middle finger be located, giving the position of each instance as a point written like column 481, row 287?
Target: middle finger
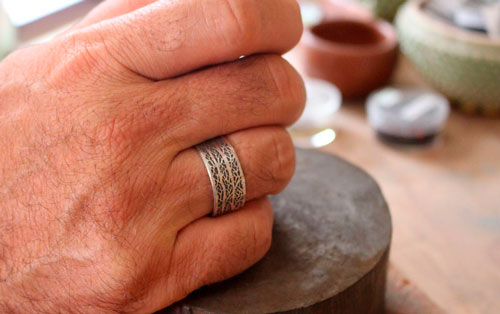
column 251, row 92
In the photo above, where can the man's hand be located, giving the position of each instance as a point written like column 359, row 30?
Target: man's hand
column 103, row 200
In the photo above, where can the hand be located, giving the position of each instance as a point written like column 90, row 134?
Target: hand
column 103, row 200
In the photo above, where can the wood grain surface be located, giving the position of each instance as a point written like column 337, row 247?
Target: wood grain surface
column 445, row 203
column 404, row 297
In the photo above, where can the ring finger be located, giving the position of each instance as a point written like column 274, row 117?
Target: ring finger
column 267, row 158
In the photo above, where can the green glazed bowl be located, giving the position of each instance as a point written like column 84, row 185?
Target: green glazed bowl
column 463, row 65
column 385, row 9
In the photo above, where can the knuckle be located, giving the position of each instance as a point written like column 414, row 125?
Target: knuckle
column 79, row 58
column 242, row 25
column 287, row 82
column 247, row 235
column 262, row 229
column 250, row 239
column 279, row 74
column 265, row 241
column 277, row 160
column 284, row 158
column 154, row 39
column 256, row 235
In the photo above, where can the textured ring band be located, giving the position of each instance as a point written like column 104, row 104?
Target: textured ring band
column 226, row 175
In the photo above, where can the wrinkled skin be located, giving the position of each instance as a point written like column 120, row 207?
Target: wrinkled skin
column 104, row 203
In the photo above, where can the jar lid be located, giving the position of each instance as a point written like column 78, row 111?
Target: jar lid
column 407, row 113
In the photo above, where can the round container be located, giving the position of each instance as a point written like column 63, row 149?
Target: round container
column 357, row 55
column 407, row 115
column 463, row 65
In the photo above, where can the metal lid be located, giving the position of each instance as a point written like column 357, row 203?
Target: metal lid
column 407, row 112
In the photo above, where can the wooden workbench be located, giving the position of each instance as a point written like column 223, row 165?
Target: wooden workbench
column 445, row 203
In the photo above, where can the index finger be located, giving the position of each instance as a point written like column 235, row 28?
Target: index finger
column 169, row 38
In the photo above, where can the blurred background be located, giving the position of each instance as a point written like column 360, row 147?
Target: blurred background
column 29, row 21
column 410, row 92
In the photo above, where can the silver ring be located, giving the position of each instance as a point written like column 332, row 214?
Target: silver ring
column 226, row 175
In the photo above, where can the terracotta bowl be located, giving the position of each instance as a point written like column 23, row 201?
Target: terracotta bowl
column 357, row 55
